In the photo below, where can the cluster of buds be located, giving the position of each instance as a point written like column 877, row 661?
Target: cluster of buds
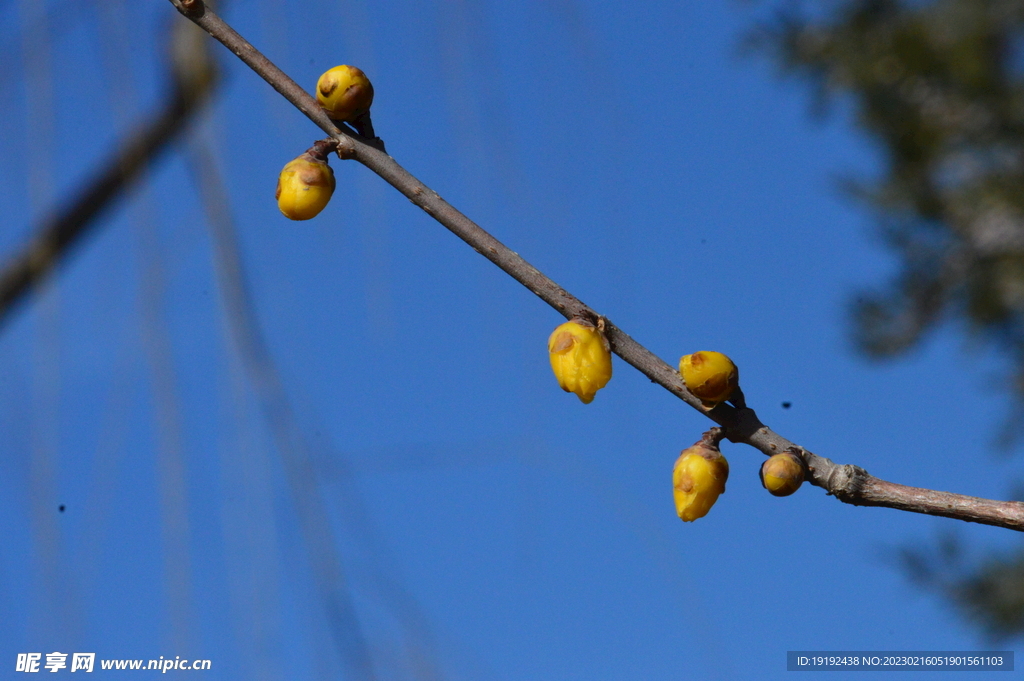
column 701, row 470
column 306, row 183
column 579, row 351
column 580, row 357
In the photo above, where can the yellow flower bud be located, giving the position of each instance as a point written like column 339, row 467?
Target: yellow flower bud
column 710, row 376
column 344, row 92
column 304, row 187
column 782, row 474
column 699, row 477
column 581, row 358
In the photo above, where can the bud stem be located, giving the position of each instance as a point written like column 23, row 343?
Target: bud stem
column 713, row 437
column 321, row 149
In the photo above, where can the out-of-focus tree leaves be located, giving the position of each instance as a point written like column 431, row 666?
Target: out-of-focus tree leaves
column 989, row 593
column 994, row 596
column 939, row 87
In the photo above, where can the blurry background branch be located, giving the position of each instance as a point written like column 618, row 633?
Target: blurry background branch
column 296, row 450
column 849, row 484
column 193, row 78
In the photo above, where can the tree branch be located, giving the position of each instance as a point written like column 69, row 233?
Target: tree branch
column 65, row 228
column 849, row 484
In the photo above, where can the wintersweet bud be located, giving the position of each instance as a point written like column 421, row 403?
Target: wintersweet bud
column 581, row 358
column 782, row 474
column 710, row 376
column 304, row 186
column 344, row 92
column 699, row 477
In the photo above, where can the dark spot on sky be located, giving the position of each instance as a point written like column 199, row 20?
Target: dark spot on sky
column 61, row 508
column 787, row 405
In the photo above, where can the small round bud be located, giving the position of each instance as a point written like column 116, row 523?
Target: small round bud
column 699, row 477
column 581, row 358
column 304, row 187
column 710, row 376
column 344, row 92
column 782, row 474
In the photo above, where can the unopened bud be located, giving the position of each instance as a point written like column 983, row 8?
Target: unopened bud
column 710, row 376
column 304, row 187
column 581, row 358
column 699, row 477
column 344, row 92
column 782, row 474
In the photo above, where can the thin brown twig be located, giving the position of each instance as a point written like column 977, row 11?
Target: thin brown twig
column 850, row 484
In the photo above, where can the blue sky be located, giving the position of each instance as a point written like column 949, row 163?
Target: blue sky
column 485, row 524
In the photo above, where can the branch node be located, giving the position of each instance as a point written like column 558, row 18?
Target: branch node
column 743, row 425
column 591, row 317
column 346, row 149
column 845, row 482
column 193, row 9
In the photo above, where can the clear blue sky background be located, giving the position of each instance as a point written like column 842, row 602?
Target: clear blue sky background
column 487, row 525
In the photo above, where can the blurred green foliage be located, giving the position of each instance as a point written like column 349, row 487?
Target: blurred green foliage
column 939, row 87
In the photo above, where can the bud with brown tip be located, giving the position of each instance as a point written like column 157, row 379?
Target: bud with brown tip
column 306, row 183
column 580, row 357
column 345, row 93
column 710, row 376
column 699, row 476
